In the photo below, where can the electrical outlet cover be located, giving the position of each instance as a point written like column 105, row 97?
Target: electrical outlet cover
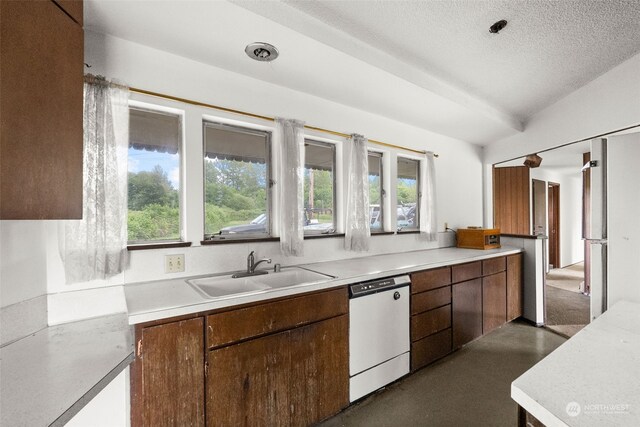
column 174, row 263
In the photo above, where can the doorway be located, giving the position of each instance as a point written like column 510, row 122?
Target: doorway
column 554, row 225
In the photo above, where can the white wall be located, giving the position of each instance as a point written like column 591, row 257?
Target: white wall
column 459, row 168
column 608, row 103
column 571, row 246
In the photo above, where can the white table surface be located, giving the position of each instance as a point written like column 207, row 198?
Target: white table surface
column 47, row 377
column 593, row 379
column 149, row 301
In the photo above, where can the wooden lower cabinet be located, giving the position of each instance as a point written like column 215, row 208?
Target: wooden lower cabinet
column 466, row 307
column 494, row 301
column 319, row 384
column 296, row 375
column 248, row 383
column 292, row 378
column 168, row 375
column 514, row 287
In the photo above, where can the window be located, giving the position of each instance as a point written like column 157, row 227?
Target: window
column 408, row 186
column 319, row 187
column 376, row 193
column 154, row 176
column 236, row 182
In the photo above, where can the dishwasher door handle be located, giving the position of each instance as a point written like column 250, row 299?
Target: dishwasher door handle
column 396, row 295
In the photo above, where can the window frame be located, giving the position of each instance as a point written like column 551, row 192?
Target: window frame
column 383, row 193
column 416, row 227
column 268, row 134
column 180, row 241
column 333, row 230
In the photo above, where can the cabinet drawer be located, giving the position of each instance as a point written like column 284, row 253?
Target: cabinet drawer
column 236, row 325
column 431, row 299
column 430, row 349
column 430, row 322
column 494, row 265
column 430, row 279
column 464, row 272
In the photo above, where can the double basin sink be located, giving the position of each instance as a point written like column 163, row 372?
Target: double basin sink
column 228, row 286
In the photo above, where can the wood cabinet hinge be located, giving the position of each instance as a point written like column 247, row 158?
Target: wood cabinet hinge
column 140, row 347
column 206, row 369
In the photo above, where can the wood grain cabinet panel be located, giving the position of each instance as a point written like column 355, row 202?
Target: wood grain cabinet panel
column 41, row 130
column 494, row 301
column 430, row 279
column 430, row 322
column 243, row 323
column 170, row 390
column 248, row 383
column 514, row 287
column 430, row 349
column 74, row 8
column 464, row 272
column 494, row 265
column 319, row 370
column 466, row 307
column 429, row 300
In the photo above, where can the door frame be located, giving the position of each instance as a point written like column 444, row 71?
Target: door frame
column 553, row 226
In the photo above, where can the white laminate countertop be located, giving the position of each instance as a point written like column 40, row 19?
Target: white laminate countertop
column 149, row 301
column 593, row 379
column 47, row 377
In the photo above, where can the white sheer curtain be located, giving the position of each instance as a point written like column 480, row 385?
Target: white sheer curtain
column 291, row 182
column 357, row 224
column 96, row 246
column 428, row 220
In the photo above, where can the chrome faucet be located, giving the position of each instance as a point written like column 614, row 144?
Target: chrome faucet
column 251, row 267
column 251, row 264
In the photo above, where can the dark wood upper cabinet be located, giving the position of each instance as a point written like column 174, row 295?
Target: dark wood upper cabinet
column 41, row 134
column 73, row 8
column 511, row 199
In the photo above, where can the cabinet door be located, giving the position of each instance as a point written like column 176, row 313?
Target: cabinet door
column 172, row 375
column 41, row 81
column 248, row 383
column 466, row 302
column 514, row 287
column 494, row 301
column 319, row 370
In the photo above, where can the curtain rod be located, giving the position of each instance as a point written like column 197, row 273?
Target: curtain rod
column 258, row 116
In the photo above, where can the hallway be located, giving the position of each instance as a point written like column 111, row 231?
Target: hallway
column 567, row 308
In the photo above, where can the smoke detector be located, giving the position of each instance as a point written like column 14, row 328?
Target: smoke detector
column 260, row 51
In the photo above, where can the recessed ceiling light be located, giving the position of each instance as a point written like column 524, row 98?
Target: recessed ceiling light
column 261, row 51
column 498, row 26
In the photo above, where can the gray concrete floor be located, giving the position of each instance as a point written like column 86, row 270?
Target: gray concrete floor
column 470, row 387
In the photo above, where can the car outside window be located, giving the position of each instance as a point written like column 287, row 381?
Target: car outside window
column 407, row 191
column 237, row 171
column 319, row 187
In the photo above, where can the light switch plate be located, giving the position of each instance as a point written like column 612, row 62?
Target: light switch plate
column 174, row 263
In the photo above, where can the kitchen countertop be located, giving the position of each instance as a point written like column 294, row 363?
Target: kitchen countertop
column 149, row 301
column 593, row 379
column 47, row 377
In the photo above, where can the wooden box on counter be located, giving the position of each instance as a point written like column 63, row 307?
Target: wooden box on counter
column 478, row 238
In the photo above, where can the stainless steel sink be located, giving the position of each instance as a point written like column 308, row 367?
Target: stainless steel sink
column 228, row 286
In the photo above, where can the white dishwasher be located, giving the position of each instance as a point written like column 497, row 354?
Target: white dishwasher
column 379, row 340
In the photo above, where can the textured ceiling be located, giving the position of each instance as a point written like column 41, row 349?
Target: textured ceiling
column 548, row 49
column 433, row 64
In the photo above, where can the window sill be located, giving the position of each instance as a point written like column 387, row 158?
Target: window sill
column 161, row 245
column 382, row 233
column 409, row 232
column 322, row 236
column 224, row 241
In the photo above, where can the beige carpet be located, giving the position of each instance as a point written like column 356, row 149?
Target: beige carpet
column 567, row 278
column 567, row 309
